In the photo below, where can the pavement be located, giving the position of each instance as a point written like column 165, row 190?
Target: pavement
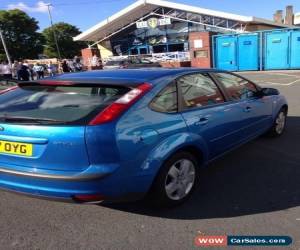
column 254, row 190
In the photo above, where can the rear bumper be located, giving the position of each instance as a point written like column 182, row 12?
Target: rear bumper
column 75, row 177
column 106, row 181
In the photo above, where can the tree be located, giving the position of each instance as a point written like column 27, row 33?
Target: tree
column 67, row 46
column 21, row 36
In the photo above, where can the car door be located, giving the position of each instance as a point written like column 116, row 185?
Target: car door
column 208, row 114
column 257, row 111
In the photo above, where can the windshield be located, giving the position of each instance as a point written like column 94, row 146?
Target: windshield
column 56, row 104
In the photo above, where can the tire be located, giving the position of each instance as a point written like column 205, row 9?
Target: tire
column 176, row 181
column 279, row 124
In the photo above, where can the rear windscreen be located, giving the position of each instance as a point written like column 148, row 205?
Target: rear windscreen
column 60, row 104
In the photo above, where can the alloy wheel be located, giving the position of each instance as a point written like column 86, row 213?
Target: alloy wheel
column 180, row 179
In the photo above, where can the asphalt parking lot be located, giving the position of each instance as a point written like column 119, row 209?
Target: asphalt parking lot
column 254, row 190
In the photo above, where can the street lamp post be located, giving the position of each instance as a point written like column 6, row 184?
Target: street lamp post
column 54, row 34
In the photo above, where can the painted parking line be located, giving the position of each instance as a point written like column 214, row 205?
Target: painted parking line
column 281, row 84
column 291, row 73
column 285, row 74
column 274, row 79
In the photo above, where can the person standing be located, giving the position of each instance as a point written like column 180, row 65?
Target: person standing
column 94, row 61
column 65, row 67
column 15, row 69
column 23, row 73
column 31, row 72
column 39, row 70
column 71, row 65
column 77, row 64
column 51, row 69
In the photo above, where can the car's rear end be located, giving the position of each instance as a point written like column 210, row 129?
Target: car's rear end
column 57, row 138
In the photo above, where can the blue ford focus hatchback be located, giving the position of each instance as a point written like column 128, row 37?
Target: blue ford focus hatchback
column 125, row 134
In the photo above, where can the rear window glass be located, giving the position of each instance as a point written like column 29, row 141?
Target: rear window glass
column 58, row 104
column 166, row 100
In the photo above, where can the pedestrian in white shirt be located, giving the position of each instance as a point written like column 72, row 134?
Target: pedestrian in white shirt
column 39, row 70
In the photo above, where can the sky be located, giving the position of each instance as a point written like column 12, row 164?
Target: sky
column 86, row 13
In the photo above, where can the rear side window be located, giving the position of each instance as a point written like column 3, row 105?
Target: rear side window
column 199, row 90
column 63, row 104
column 238, row 88
column 166, row 100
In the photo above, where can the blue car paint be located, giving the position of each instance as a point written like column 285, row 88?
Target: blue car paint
column 47, row 141
column 130, row 151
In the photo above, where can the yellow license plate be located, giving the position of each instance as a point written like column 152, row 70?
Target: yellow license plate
column 16, row 148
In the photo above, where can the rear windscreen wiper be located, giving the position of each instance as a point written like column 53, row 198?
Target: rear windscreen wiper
column 33, row 120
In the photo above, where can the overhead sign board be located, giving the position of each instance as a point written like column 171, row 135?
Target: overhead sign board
column 153, row 23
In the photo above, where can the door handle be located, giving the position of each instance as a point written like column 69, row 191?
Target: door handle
column 201, row 121
column 247, row 109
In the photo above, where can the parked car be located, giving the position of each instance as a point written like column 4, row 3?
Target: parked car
column 127, row 134
column 130, row 63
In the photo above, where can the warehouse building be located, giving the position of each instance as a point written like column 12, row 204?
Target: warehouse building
column 155, row 26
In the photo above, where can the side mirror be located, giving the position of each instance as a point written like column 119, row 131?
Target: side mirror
column 268, row 92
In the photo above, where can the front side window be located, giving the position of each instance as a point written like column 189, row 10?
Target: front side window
column 166, row 100
column 237, row 88
column 57, row 104
column 199, row 90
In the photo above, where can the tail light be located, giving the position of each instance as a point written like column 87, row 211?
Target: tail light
column 121, row 105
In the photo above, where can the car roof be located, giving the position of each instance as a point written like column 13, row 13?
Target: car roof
column 124, row 76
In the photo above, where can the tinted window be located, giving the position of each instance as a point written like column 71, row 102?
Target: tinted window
column 166, row 100
column 199, row 90
column 68, row 104
column 237, row 88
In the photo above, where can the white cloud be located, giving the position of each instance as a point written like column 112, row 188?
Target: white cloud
column 40, row 7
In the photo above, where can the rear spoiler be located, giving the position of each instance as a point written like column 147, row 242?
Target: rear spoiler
column 46, row 82
column 118, row 83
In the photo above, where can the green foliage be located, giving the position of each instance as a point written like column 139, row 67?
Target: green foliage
column 64, row 33
column 21, row 36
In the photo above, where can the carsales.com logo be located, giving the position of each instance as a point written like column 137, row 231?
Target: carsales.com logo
column 204, row 241
column 226, row 240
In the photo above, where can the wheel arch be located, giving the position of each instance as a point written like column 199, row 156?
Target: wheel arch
column 193, row 150
column 189, row 142
column 285, row 107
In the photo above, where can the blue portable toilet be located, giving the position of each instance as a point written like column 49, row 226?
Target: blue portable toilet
column 277, row 50
column 226, row 53
column 248, row 52
column 295, row 49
